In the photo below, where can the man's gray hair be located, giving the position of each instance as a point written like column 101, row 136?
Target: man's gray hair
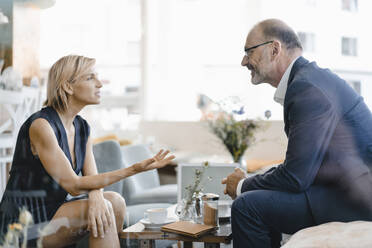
column 277, row 29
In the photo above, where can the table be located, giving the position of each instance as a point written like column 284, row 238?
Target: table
column 147, row 237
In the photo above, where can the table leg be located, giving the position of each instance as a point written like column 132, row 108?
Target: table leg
column 211, row 245
column 147, row 243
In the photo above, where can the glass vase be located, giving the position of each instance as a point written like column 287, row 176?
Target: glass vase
column 185, row 210
column 198, row 215
column 243, row 163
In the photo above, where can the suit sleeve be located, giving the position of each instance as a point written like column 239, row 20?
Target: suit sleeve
column 312, row 120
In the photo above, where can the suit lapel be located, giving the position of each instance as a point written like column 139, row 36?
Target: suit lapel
column 296, row 66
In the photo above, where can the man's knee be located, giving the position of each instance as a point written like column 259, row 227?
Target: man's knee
column 243, row 202
column 237, row 204
column 250, row 203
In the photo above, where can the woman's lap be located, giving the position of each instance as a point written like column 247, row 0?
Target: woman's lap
column 70, row 222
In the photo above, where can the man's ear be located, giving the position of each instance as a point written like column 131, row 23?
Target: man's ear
column 277, row 47
column 67, row 88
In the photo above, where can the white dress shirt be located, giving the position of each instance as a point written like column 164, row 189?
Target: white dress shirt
column 279, row 97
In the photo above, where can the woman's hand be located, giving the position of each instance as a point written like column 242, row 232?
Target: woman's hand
column 158, row 161
column 99, row 214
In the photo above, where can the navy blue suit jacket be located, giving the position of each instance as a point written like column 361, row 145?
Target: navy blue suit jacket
column 329, row 153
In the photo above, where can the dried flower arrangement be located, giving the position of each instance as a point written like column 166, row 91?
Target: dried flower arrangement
column 228, row 123
column 185, row 209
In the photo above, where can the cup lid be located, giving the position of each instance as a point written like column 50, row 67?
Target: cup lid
column 210, row 196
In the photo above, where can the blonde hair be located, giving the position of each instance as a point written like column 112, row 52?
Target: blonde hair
column 65, row 71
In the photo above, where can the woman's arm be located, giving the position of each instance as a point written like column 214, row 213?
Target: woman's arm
column 89, row 167
column 58, row 166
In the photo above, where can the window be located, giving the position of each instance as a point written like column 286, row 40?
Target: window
column 307, row 41
column 356, row 85
column 310, row 3
column 110, row 32
column 349, row 46
column 350, row 5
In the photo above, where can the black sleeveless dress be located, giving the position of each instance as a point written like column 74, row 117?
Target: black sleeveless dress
column 29, row 183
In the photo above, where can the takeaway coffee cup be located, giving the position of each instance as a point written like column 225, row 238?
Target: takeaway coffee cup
column 156, row 215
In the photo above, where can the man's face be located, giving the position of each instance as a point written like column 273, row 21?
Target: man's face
column 257, row 59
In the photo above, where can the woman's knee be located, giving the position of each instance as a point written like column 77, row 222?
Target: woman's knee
column 117, row 202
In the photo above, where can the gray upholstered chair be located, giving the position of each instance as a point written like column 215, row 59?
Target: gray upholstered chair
column 108, row 157
column 145, row 187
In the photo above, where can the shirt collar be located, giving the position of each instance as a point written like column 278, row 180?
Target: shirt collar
column 282, row 86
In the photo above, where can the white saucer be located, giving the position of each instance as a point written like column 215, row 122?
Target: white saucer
column 149, row 225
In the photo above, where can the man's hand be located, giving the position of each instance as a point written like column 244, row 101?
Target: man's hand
column 158, row 161
column 232, row 181
column 100, row 214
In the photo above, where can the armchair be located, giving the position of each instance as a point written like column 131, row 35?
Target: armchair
column 145, row 187
column 109, row 157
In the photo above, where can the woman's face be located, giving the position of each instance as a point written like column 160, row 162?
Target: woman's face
column 86, row 89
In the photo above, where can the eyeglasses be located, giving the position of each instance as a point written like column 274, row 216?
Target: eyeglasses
column 246, row 50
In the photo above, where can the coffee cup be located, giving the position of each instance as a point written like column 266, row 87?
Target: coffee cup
column 156, row 215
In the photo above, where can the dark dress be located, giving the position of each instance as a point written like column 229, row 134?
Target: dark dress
column 29, row 183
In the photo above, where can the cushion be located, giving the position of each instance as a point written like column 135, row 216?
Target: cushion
column 333, row 235
column 122, row 142
column 164, row 193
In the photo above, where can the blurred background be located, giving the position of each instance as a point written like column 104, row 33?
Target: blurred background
column 159, row 58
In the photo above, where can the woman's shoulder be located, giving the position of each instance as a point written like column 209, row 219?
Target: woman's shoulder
column 39, row 121
column 45, row 113
column 44, row 119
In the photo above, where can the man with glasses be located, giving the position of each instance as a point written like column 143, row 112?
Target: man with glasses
column 326, row 173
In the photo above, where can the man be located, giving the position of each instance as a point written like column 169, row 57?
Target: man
column 326, row 173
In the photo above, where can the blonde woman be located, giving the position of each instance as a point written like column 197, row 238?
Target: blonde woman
column 53, row 146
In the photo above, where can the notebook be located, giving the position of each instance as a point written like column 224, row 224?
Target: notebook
column 187, row 228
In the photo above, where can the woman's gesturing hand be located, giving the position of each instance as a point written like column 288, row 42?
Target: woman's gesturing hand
column 100, row 214
column 158, row 161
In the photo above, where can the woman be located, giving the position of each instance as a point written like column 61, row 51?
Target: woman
column 53, row 146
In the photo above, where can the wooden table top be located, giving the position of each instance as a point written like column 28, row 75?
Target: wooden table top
column 138, row 231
